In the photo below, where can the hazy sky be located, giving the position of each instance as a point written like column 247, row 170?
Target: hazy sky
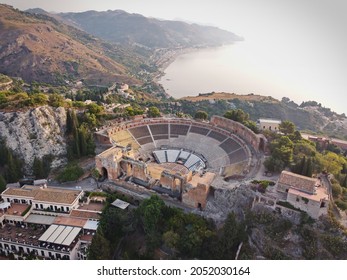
column 308, row 36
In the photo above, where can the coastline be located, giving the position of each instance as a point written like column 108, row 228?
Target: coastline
column 166, row 57
column 163, row 58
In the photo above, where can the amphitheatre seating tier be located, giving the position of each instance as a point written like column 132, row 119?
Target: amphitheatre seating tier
column 199, row 130
column 219, row 146
column 159, row 129
column 217, row 136
column 158, row 137
column 230, row 146
column 145, row 140
column 178, row 129
column 237, row 156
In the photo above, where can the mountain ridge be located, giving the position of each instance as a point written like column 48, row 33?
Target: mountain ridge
column 40, row 48
column 134, row 28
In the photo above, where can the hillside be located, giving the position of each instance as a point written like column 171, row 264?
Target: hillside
column 309, row 116
column 40, row 48
column 133, row 29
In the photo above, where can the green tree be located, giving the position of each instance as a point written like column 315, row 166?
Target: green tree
column 38, row 169
column 237, row 115
column 151, row 211
column 297, row 136
column 151, row 217
column 56, row 100
column 201, row 115
column 3, row 98
column 287, row 127
column 252, row 126
column 70, row 173
column 99, row 249
column 274, row 164
column 153, row 112
column 12, row 169
column 76, row 144
column 282, row 148
column 82, row 137
column 2, row 183
column 233, row 233
column 95, row 174
column 336, row 190
column 10, row 163
column 171, row 239
column 39, row 99
column 130, row 111
column 95, row 109
column 71, row 121
column 332, row 163
column 309, row 168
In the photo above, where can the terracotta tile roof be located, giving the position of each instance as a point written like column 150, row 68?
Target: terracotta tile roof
column 45, row 195
column 299, row 182
column 70, row 221
column 20, row 192
column 85, row 214
column 56, row 195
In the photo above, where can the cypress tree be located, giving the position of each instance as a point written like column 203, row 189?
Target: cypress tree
column 304, row 169
column 2, row 183
column 90, row 145
column 38, row 169
column 82, row 140
column 71, row 122
column 11, row 170
column 302, row 166
column 76, row 144
column 309, row 168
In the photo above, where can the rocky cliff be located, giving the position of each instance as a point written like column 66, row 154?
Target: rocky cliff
column 35, row 133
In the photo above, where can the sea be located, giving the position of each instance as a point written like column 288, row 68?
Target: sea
column 243, row 68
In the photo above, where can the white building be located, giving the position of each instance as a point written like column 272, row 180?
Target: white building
column 46, row 199
column 304, row 193
column 46, row 223
column 268, row 124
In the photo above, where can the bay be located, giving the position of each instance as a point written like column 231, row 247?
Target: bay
column 245, row 68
